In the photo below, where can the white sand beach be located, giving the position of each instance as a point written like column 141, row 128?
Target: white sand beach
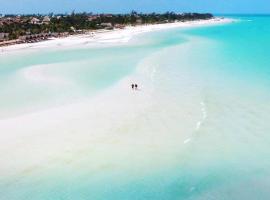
column 111, row 37
column 31, row 142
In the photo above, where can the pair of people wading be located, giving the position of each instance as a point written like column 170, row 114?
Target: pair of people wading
column 134, row 87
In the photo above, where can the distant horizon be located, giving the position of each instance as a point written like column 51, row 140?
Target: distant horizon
column 122, row 13
column 146, row 6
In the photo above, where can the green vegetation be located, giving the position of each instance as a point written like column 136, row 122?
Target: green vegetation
column 17, row 26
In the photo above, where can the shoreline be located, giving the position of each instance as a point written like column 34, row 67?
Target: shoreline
column 116, row 36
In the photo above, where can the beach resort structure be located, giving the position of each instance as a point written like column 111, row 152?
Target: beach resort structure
column 34, row 20
column 108, row 26
column 93, row 17
column 32, row 38
column 46, row 20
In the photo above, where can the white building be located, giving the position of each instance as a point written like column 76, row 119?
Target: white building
column 46, row 20
column 106, row 24
column 34, row 21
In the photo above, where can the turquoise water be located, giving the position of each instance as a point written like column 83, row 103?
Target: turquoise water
column 89, row 70
column 197, row 130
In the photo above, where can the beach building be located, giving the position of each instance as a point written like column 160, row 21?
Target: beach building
column 17, row 19
column 119, row 26
column 107, row 25
column 34, row 37
column 23, row 38
column 46, row 20
column 34, row 21
column 7, row 20
column 10, row 42
column 93, row 18
column 139, row 21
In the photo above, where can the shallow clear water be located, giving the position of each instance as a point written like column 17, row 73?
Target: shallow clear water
column 30, row 80
column 198, row 129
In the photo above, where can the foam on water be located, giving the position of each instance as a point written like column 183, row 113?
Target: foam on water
column 204, row 116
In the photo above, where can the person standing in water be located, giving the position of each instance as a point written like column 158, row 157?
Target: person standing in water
column 132, row 86
column 136, row 86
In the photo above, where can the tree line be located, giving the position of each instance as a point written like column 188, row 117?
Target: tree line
column 88, row 21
